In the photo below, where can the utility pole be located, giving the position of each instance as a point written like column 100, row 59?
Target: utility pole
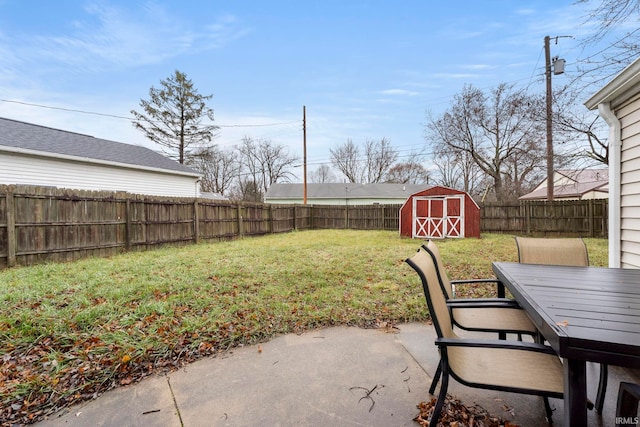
column 304, row 144
column 547, row 72
column 558, row 65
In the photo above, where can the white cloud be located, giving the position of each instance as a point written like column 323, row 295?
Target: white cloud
column 477, row 66
column 108, row 37
column 399, row 92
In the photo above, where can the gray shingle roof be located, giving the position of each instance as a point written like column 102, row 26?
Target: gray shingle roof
column 343, row 190
column 29, row 136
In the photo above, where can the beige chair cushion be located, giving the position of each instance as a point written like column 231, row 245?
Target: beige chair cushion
column 562, row 251
column 507, row 368
column 493, row 318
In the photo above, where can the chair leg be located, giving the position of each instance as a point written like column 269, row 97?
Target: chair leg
column 602, row 387
column 435, row 416
column 436, row 378
column 549, row 411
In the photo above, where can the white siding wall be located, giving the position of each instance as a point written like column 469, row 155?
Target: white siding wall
column 629, row 116
column 32, row 170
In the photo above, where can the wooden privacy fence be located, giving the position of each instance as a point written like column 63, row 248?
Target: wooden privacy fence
column 586, row 218
column 40, row 224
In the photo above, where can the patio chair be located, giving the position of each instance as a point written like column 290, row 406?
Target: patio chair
column 497, row 315
column 561, row 251
column 512, row 366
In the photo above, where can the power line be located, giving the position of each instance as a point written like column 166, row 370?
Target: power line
column 30, row 104
column 131, row 119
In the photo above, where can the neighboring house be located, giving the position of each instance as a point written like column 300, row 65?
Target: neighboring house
column 37, row 155
column 618, row 103
column 342, row 193
column 569, row 184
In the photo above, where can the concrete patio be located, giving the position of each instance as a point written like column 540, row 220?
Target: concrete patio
column 318, row 378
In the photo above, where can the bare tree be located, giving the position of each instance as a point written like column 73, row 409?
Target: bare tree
column 346, row 158
column 611, row 15
column 173, row 117
column 368, row 165
column 264, row 163
column 458, row 170
column 219, row 169
column 379, row 157
column 322, row 174
column 247, row 190
column 581, row 132
column 408, row 173
column 492, row 130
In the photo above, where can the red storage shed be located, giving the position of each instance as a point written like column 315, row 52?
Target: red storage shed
column 439, row 212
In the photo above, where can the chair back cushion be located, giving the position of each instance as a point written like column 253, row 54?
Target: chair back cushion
column 424, row 265
column 442, row 273
column 557, row 251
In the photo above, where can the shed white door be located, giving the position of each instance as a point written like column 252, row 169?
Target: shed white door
column 437, row 217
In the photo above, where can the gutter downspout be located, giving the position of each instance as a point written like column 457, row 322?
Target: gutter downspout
column 615, row 153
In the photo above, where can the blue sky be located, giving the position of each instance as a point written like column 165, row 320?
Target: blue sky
column 364, row 69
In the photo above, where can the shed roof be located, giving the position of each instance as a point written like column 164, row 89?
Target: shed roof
column 343, row 190
column 19, row 136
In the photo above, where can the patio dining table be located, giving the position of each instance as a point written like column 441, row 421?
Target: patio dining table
column 585, row 313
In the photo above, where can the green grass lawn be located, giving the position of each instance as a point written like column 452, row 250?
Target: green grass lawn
column 69, row 332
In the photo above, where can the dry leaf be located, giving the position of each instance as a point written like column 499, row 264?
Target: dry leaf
column 563, row 323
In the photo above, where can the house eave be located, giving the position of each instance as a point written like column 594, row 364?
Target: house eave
column 619, row 89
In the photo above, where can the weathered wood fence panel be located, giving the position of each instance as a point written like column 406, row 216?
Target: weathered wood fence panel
column 39, row 224
column 217, row 221
column 587, row 218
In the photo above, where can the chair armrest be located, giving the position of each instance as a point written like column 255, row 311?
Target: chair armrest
column 482, row 303
column 474, row 281
column 509, row 345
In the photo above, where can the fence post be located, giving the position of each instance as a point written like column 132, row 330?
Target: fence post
column 196, row 222
column 346, row 216
column 127, row 225
column 295, row 217
column 592, row 231
column 311, row 217
column 240, row 225
column 11, row 229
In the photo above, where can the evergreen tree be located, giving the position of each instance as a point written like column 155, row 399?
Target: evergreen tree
column 173, row 118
